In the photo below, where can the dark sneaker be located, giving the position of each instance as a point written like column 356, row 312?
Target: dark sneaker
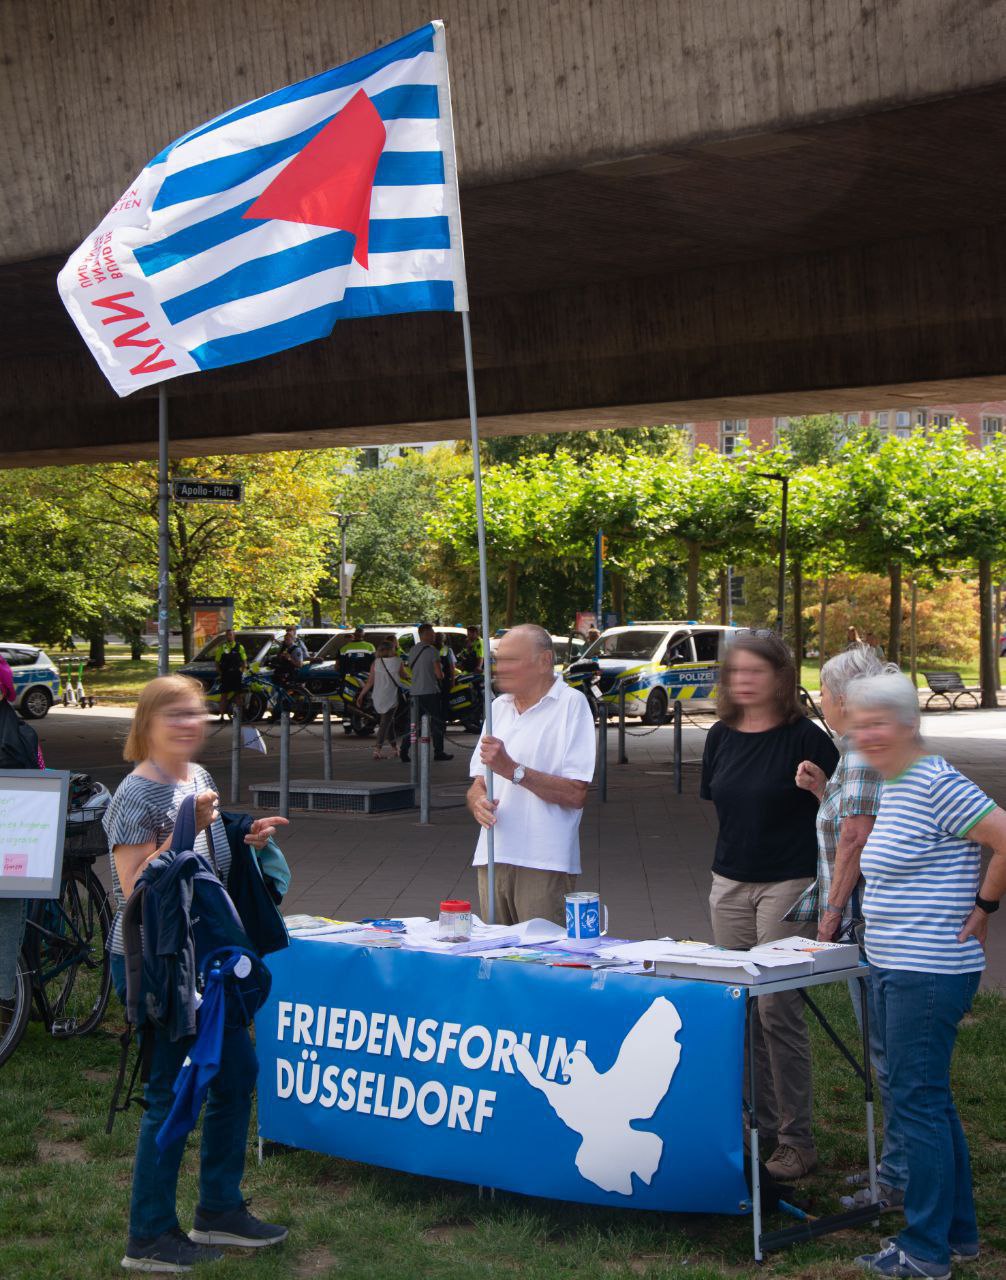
column 170, row 1254
column 958, row 1252
column 893, row 1261
column 236, row 1227
column 443, row 755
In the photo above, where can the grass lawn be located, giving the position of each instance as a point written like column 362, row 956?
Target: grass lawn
column 64, row 1189
column 810, row 672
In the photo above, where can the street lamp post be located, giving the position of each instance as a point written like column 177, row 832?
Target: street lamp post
column 784, row 481
column 344, row 519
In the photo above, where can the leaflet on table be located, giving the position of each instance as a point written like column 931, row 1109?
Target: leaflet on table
column 425, row 936
column 823, row 956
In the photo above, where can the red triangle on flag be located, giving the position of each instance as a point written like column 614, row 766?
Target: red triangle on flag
column 330, row 182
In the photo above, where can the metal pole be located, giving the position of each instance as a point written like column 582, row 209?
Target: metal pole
column 753, row 1132
column 730, row 595
column 622, row 757
column 677, row 746
column 424, row 772
column 326, row 740
column 284, row 762
column 598, row 580
column 871, row 1136
column 602, row 750
column 480, row 521
column 413, row 742
column 236, row 751
column 343, row 524
column 782, row 556
column 163, row 556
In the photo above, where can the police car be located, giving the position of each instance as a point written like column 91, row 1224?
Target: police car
column 655, row 663
column 36, row 679
column 260, row 644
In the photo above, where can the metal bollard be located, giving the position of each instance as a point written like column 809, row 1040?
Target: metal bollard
column 424, row 772
column 602, row 749
column 284, row 763
column 413, row 743
column 677, row 746
column 326, row 740
column 236, row 753
column 622, row 757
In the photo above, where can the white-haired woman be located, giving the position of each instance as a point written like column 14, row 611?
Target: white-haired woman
column 926, row 909
column 847, row 810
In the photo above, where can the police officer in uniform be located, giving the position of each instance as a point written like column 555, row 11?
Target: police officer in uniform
column 231, row 660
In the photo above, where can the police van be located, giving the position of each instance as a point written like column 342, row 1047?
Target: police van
column 36, row 679
column 655, row 663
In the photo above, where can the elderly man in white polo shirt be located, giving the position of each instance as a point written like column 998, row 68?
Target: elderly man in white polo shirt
column 542, row 758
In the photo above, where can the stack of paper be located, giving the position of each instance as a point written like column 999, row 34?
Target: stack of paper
column 823, row 956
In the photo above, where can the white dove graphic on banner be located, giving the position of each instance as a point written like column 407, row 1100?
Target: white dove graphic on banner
column 600, row 1106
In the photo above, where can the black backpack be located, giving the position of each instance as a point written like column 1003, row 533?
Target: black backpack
column 18, row 741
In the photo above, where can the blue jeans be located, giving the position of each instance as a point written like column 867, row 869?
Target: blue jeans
column 225, row 1130
column 893, row 1171
column 918, row 1015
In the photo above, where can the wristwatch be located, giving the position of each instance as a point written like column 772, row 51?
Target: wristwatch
column 988, row 905
column 518, row 778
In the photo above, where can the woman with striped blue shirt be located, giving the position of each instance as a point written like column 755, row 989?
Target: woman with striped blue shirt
column 926, row 923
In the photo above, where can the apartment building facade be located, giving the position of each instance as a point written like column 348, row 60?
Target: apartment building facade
column 986, row 422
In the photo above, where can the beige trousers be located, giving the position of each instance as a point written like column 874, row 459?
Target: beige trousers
column 525, row 893
column 743, row 916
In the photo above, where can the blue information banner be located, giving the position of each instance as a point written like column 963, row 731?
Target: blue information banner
column 575, row 1084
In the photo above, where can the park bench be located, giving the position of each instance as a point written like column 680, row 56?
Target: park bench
column 949, row 686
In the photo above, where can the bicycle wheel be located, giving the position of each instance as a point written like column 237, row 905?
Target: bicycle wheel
column 67, row 941
column 14, row 1014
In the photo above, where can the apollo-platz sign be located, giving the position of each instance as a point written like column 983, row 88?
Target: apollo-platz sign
column 206, row 490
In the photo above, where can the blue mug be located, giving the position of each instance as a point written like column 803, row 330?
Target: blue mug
column 583, row 916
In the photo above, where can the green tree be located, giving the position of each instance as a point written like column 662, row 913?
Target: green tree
column 621, row 442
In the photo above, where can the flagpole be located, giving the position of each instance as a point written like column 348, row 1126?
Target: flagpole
column 163, row 626
column 480, row 524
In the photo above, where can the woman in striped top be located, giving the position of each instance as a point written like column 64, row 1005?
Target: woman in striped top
column 167, row 732
column 926, row 923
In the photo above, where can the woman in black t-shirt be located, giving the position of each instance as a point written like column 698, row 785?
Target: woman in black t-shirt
column 766, row 856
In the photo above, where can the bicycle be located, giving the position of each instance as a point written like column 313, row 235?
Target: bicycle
column 64, row 966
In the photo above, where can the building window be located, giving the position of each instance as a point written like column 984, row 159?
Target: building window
column 883, row 420
column 991, row 429
column 852, row 419
column 921, row 417
column 732, row 431
column 942, row 419
column 369, row 459
column 902, row 418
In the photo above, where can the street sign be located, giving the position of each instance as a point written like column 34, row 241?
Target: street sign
column 207, row 490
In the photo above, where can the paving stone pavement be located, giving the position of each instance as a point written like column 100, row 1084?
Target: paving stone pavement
column 647, row 850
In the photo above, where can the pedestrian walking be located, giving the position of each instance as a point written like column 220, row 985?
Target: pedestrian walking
column 449, row 668
column 384, row 683
column 766, row 856
column 425, row 692
column 541, row 754
column 927, row 908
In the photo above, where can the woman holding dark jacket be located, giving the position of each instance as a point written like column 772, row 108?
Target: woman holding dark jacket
column 766, row 856
column 167, row 732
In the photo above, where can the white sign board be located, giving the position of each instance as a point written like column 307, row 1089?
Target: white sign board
column 32, row 823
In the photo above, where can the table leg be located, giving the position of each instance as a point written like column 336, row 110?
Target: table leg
column 753, row 1135
column 871, row 1137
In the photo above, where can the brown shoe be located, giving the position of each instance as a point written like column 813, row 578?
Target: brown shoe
column 789, row 1164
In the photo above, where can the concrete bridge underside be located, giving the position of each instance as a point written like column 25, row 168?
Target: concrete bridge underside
column 673, row 210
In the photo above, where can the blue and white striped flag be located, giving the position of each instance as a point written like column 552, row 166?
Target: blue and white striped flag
column 331, row 199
